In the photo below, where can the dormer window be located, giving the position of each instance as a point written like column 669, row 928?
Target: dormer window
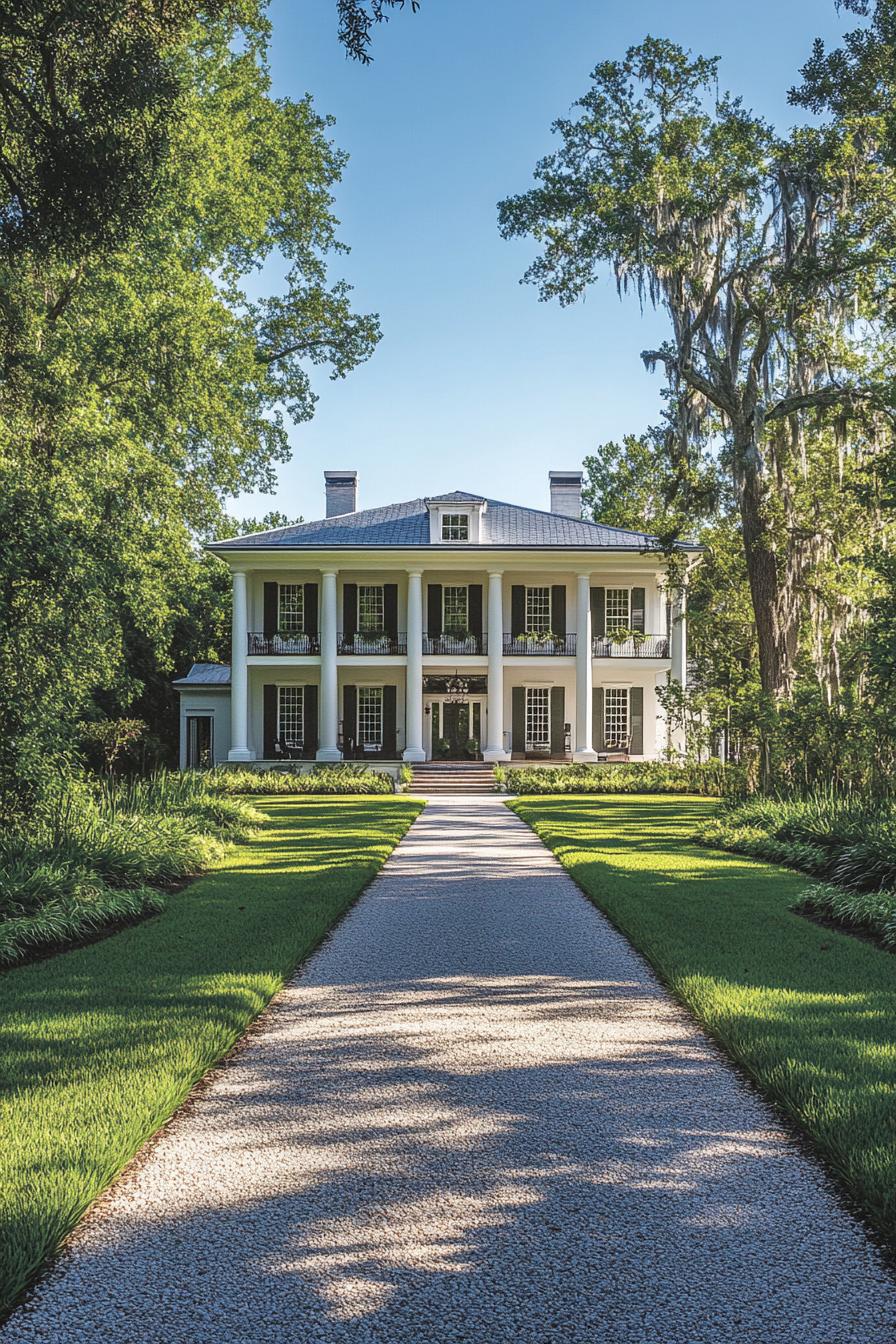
column 455, row 527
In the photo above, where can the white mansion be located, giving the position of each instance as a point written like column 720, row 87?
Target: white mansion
column 443, row 627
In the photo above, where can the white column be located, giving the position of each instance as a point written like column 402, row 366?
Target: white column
column 584, row 747
column 329, row 685
column 239, row 673
column 494, row 750
column 413, row 695
column 678, row 640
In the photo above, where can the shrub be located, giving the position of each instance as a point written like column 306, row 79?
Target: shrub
column 711, row 778
column 846, row 840
column 93, row 854
column 872, row 912
column 341, row 778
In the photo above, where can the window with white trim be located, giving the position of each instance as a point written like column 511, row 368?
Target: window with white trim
column 455, row 527
column 618, row 609
column 455, row 607
column 370, row 716
column 538, row 609
column 370, row 607
column 291, row 715
column 291, row 614
column 538, row 716
column 616, row 715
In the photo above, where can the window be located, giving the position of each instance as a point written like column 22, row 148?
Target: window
column 618, row 615
column 455, row 608
column 291, row 715
column 370, row 716
column 370, row 608
column 538, row 716
column 616, row 719
column 538, row 609
column 455, row 527
column 291, row 617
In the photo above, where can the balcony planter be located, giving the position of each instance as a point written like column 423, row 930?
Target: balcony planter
column 372, row 641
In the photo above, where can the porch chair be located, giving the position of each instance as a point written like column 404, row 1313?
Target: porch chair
column 616, row 751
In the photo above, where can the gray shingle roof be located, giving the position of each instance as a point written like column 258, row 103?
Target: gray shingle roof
column 206, row 674
column 407, row 524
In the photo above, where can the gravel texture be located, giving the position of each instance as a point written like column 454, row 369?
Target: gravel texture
column 474, row 1116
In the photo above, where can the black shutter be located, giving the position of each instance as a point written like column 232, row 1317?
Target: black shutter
column 270, row 720
column 310, row 720
column 433, row 610
column 558, row 609
column 517, row 610
column 349, row 719
column 390, row 609
column 598, row 611
column 311, row 609
column 271, row 609
column 518, row 718
column 474, row 606
column 638, row 609
column 349, row 610
column 597, row 719
column 558, row 710
column 636, row 720
column 389, row 721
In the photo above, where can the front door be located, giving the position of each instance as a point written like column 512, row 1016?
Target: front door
column 456, row 729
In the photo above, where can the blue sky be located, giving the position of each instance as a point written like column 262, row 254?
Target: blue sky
column 476, row 384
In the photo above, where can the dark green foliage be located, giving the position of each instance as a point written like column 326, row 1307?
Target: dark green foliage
column 710, row 778
column 848, row 840
column 329, row 779
column 808, row 1012
column 869, row 912
column 102, row 1044
column 92, row 855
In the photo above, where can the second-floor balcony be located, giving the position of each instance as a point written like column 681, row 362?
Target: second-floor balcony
column 372, row 643
column 630, row 644
column 284, row 642
column 456, row 644
column 530, row 644
column 539, row 644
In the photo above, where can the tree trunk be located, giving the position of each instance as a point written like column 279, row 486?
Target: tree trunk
column 773, row 589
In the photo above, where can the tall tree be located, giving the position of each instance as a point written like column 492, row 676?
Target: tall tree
column 767, row 254
column 142, row 387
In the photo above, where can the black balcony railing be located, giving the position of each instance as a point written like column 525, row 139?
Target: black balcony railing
column 454, row 645
column 634, row 646
column 284, row 643
column 367, row 644
column 538, row 645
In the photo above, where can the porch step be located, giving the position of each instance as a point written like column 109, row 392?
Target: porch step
column 453, row 777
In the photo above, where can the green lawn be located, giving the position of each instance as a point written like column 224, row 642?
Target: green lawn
column 811, row 1014
column 99, row 1045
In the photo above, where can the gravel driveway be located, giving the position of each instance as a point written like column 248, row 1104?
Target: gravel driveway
column 474, row 1116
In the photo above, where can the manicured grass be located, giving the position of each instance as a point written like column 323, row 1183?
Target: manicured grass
column 99, row 1045
column 808, row 1012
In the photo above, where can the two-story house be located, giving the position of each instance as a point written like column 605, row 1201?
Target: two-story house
column 445, row 627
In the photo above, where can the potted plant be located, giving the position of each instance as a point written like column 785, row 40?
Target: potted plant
column 442, row 749
column 372, row 636
column 471, row 750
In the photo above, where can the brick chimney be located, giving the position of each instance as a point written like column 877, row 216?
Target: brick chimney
column 342, row 492
column 566, row 493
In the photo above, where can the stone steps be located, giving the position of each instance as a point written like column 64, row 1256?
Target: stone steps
column 453, row 777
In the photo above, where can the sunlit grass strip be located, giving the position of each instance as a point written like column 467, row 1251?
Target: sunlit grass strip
column 99, row 1045
column 806, row 1011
